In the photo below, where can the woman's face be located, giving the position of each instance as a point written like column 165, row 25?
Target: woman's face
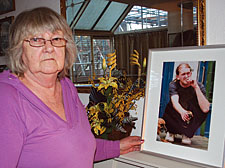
column 46, row 59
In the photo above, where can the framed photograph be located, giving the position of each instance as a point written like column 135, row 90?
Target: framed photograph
column 184, row 104
column 7, row 6
column 4, row 34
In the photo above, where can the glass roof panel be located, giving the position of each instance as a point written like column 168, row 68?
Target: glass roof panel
column 72, row 7
column 143, row 18
column 111, row 15
column 91, row 14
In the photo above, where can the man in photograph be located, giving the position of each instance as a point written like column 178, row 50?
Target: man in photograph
column 188, row 107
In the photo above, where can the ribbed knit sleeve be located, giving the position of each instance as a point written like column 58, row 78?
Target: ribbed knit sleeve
column 106, row 149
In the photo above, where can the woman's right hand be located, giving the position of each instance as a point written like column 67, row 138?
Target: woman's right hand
column 130, row 144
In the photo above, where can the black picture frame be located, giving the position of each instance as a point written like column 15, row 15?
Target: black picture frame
column 7, row 6
column 4, row 34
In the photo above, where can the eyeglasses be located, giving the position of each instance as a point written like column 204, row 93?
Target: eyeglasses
column 40, row 42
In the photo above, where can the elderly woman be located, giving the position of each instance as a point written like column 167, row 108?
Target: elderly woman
column 43, row 122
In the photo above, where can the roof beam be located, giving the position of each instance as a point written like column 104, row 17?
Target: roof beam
column 79, row 14
column 92, row 33
column 119, row 21
column 101, row 15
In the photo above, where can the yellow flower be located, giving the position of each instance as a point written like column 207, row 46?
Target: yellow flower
column 103, row 64
column 108, row 108
column 93, row 110
column 106, row 82
column 96, row 125
column 121, row 115
column 144, row 63
column 109, row 120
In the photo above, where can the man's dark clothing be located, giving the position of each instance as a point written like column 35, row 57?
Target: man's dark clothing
column 188, row 100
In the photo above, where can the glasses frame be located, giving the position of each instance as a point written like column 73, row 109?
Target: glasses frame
column 44, row 42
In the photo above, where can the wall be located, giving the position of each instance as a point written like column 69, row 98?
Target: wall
column 215, row 22
column 215, row 25
column 29, row 4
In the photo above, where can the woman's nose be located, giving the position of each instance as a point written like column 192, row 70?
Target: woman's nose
column 48, row 46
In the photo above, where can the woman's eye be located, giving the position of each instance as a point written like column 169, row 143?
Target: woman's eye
column 56, row 39
column 36, row 39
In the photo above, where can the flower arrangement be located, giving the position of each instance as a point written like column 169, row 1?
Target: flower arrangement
column 113, row 98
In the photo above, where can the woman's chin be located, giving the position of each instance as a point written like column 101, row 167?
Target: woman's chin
column 50, row 67
column 50, row 71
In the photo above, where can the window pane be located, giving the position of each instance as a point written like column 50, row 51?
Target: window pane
column 82, row 68
column 111, row 15
column 143, row 18
column 91, row 14
column 101, row 49
column 72, row 7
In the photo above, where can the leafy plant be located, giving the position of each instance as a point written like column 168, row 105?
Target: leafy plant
column 111, row 101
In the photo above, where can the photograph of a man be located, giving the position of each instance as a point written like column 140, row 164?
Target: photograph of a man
column 188, row 106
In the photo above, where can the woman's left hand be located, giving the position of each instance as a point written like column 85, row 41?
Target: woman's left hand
column 130, row 144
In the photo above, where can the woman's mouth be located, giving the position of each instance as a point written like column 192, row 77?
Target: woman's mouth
column 49, row 59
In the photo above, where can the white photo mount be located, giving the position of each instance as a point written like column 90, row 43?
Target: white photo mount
column 213, row 156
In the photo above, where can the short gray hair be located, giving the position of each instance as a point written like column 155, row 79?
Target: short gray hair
column 31, row 22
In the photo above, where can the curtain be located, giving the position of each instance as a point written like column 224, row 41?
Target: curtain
column 125, row 44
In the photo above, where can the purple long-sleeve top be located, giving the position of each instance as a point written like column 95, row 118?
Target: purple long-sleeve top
column 33, row 136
